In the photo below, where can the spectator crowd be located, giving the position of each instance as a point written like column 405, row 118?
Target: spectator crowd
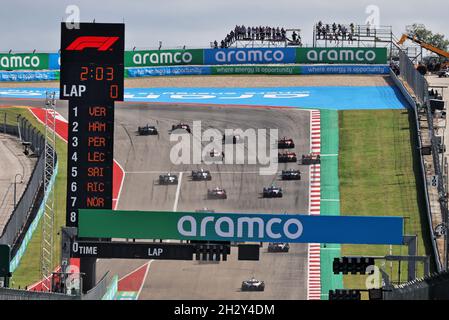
column 337, row 32
column 256, row 33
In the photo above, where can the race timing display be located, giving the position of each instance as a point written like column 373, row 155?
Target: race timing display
column 92, row 62
column 92, row 79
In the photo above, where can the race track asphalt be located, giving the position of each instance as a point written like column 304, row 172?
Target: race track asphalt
column 144, row 158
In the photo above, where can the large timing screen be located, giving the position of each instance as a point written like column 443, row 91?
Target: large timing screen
column 92, row 78
column 92, row 62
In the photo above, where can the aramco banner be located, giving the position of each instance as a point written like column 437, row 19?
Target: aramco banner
column 249, row 56
column 23, row 61
column 240, row 227
column 163, row 58
column 341, row 55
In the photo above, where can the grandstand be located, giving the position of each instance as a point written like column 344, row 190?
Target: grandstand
column 260, row 36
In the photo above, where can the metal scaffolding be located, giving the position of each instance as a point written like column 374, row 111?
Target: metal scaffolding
column 47, row 243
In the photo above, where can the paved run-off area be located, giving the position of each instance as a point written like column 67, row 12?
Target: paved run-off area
column 14, row 166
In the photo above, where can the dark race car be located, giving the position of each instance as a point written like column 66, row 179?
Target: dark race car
column 278, row 247
column 147, row 130
column 291, row 175
column 287, row 157
column 253, row 285
column 272, row 192
column 201, row 175
column 216, row 154
column 168, row 179
column 181, row 126
column 311, row 159
column 217, row 194
column 285, row 143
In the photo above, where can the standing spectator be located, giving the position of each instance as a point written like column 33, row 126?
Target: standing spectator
column 344, row 32
column 215, row 44
column 350, row 38
column 368, row 30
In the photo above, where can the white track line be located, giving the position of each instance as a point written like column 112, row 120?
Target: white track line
column 178, row 191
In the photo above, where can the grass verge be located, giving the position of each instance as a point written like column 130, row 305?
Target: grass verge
column 379, row 176
column 29, row 270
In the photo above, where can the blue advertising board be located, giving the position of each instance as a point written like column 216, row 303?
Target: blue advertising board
column 24, row 76
column 168, row 71
column 54, row 61
column 249, row 56
column 345, row 69
column 254, row 227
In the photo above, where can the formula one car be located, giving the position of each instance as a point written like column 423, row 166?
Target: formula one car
column 291, row 174
column 278, row 247
column 443, row 73
column 272, row 192
column 217, row 194
column 285, row 143
column 147, row 131
column 215, row 154
column 234, row 139
column 253, row 285
column 201, row 175
column 181, row 126
column 287, row 157
column 168, row 179
column 311, row 159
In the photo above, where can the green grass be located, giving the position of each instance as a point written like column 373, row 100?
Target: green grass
column 28, row 271
column 379, row 176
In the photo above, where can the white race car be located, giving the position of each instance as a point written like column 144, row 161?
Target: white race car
column 253, row 285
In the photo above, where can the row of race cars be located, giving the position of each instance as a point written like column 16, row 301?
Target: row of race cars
column 285, row 156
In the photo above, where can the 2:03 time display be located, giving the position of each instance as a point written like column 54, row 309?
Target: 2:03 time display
column 103, row 74
column 97, row 73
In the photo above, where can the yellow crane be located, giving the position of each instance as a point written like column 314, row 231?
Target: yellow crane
column 426, row 46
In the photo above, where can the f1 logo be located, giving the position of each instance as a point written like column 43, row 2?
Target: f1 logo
column 101, row 43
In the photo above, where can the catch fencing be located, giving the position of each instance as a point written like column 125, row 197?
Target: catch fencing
column 416, row 81
column 430, row 288
column 29, row 202
column 420, row 88
column 13, row 294
column 423, row 176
